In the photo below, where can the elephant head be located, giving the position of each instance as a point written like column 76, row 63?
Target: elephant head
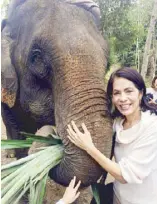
column 53, row 66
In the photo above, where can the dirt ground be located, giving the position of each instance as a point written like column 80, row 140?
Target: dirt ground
column 53, row 191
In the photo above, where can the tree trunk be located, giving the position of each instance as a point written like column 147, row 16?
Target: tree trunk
column 151, row 67
column 155, row 42
column 149, row 39
column 152, row 60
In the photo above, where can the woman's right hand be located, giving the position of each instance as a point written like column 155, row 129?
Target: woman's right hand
column 81, row 139
column 71, row 193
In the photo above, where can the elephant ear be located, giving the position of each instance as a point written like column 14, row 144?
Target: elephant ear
column 9, row 85
column 89, row 6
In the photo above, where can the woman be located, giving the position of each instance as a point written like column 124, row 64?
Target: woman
column 153, row 91
column 135, row 124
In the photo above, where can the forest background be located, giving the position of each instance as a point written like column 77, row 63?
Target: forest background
column 130, row 27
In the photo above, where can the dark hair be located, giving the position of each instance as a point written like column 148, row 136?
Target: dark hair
column 153, row 82
column 133, row 76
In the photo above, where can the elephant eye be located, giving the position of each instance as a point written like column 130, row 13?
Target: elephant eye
column 36, row 56
column 38, row 63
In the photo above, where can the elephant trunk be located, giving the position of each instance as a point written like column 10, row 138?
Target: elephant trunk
column 81, row 97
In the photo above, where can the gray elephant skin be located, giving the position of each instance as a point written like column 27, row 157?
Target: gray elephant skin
column 53, row 66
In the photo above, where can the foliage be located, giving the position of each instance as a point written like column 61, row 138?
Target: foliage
column 29, row 173
column 125, row 24
column 4, row 8
column 96, row 193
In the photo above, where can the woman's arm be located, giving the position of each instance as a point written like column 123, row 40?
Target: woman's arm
column 107, row 164
column 79, row 140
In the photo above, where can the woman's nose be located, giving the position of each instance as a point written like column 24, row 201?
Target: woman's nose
column 123, row 97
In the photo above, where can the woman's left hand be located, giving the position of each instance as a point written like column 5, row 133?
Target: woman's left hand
column 82, row 140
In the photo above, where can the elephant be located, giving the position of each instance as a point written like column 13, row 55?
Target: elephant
column 53, row 66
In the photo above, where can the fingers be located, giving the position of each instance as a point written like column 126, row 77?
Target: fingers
column 77, row 195
column 75, row 127
column 78, row 185
column 72, row 182
column 75, row 136
column 71, row 139
column 84, row 128
column 69, row 133
column 71, row 193
column 71, row 130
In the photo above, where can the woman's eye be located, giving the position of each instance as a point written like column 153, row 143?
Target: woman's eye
column 116, row 93
column 129, row 91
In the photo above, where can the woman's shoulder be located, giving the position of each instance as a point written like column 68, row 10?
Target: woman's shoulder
column 117, row 123
column 149, row 120
column 147, row 131
column 147, row 115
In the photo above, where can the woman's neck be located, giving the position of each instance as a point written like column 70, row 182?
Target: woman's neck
column 132, row 120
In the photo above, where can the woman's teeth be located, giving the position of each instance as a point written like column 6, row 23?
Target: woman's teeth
column 124, row 107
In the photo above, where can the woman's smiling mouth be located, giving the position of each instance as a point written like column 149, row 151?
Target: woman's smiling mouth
column 124, row 106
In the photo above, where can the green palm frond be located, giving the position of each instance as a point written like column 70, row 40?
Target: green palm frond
column 30, row 173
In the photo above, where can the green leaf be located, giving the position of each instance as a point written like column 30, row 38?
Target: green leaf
column 49, row 139
column 13, row 144
column 38, row 191
column 96, row 193
column 7, row 172
column 30, row 175
column 21, row 194
column 30, row 138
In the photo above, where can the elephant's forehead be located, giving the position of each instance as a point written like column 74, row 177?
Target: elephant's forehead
column 59, row 18
column 58, row 26
column 71, row 32
column 57, row 11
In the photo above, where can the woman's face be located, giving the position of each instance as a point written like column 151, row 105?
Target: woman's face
column 126, row 97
